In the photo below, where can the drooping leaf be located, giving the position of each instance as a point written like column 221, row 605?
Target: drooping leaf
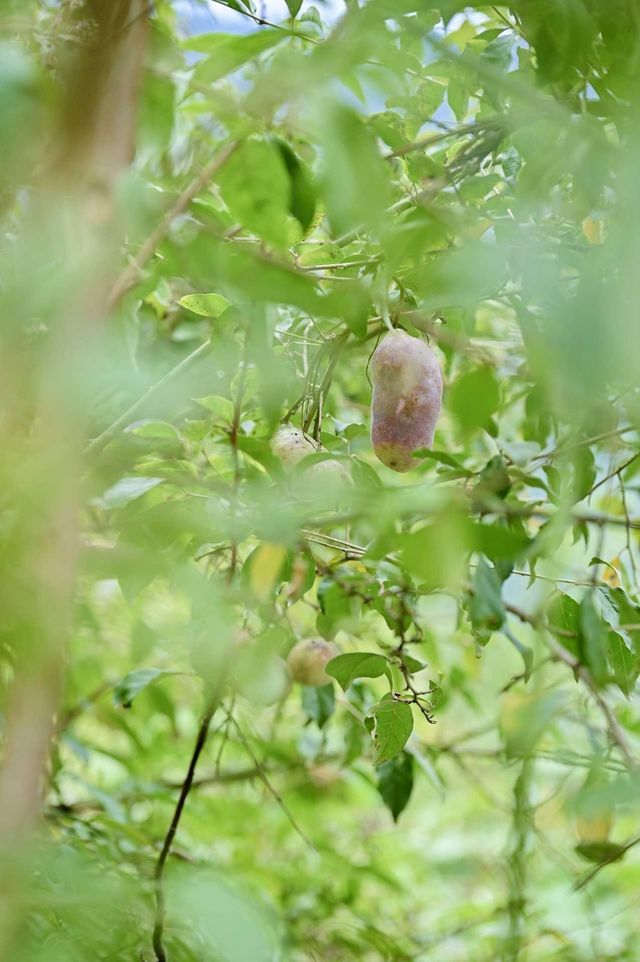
column 318, row 703
column 486, row 608
column 395, row 783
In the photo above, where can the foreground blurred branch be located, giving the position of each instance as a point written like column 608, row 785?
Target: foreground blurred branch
column 94, row 143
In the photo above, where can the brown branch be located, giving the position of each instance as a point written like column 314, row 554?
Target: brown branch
column 201, row 739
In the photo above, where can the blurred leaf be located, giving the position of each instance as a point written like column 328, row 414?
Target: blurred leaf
column 128, row 489
column 226, row 52
column 486, row 608
column 524, row 719
column 474, row 398
column 593, row 634
column 135, row 682
column 395, row 783
column 318, row 703
column 257, row 189
column 355, row 182
column 208, row 305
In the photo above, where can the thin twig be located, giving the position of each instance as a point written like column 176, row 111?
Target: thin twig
column 270, row 788
column 574, row 445
column 100, row 442
column 612, row 474
column 131, row 273
column 268, row 23
column 616, row 856
column 625, row 508
column 563, row 654
column 201, row 739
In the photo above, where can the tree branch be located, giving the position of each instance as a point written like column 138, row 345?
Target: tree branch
column 201, row 739
column 131, row 274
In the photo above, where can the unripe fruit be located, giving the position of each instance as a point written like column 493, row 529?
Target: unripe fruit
column 291, row 445
column 407, row 397
column 308, row 659
column 269, row 683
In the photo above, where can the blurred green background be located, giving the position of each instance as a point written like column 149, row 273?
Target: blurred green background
column 211, row 212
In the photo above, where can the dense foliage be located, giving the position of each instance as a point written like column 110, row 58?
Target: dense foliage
column 460, row 778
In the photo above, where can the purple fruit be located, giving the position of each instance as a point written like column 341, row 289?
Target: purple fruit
column 407, row 397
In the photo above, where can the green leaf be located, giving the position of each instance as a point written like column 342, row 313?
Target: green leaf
column 412, row 664
column 135, row 682
column 593, row 636
column 600, row 852
column 628, row 614
column 207, row 305
column 126, row 490
column 524, row 718
column 303, row 198
column 564, row 616
column 486, row 609
column 355, row 181
column 153, row 429
column 393, row 725
column 395, row 783
column 624, row 664
column 443, row 458
column 474, row 398
column 356, row 664
column 318, row 703
column 257, row 190
column 226, row 51
column 293, row 6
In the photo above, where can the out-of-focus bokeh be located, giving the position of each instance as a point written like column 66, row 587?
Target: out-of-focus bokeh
column 211, row 213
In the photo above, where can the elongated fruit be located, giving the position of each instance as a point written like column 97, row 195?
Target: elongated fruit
column 407, row 397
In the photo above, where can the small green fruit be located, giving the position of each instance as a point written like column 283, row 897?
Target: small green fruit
column 307, row 661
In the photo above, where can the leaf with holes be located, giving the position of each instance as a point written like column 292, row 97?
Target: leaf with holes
column 393, row 725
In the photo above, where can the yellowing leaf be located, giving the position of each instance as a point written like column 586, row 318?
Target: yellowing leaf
column 593, row 230
column 266, row 564
column 610, row 574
